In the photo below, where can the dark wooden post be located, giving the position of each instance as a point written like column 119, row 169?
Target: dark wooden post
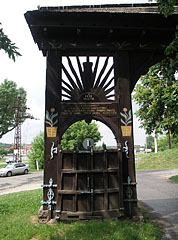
column 53, row 96
column 126, row 123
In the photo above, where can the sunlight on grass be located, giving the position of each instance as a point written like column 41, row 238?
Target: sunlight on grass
column 18, row 221
column 2, row 165
column 162, row 160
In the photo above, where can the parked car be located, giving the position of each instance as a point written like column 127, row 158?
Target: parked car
column 14, row 168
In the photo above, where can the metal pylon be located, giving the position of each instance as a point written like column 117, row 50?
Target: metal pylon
column 17, row 135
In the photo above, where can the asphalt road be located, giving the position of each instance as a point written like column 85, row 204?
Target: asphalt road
column 21, row 182
column 161, row 196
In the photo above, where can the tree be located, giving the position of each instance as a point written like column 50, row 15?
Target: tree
column 37, row 152
column 11, row 150
column 163, row 142
column 149, row 142
column 77, row 132
column 8, row 46
column 73, row 136
column 157, row 97
column 167, row 7
column 8, row 101
column 3, row 153
column 5, row 145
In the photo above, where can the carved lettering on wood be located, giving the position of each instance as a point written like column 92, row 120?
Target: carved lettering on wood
column 68, row 109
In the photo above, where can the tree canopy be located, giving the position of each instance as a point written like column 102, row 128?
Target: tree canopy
column 157, row 97
column 149, row 142
column 8, row 103
column 73, row 136
column 163, row 142
column 7, row 45
column 157, row 92
column 77, row 132
column 167, row 7
column 3, row 153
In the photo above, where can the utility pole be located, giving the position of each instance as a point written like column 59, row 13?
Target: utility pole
column 17, row 135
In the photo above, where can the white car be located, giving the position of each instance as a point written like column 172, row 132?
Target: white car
column 14, row 168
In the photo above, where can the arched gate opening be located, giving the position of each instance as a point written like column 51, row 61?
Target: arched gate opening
column 89, row 184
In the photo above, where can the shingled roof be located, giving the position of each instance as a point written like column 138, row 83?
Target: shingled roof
column 109, row 8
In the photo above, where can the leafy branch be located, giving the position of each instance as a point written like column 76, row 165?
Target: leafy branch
column 8, row 46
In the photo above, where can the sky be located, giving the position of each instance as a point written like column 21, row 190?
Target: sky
column 29, row 70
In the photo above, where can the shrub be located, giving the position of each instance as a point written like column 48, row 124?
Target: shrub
column 37, row 151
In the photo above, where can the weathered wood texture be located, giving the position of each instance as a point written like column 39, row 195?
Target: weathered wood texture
column 95, row 55
column 89, row 184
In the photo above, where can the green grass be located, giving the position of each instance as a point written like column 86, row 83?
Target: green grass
column 18, row 221
column 174, row 178
column 2, row 160
column 2, row 165
column 167, row 159
column 35, row 170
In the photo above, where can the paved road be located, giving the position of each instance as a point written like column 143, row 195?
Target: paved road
column 21, row 182
column 161, row 195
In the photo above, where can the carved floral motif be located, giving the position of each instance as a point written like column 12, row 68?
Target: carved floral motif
column 50, row 120
column 127, row 119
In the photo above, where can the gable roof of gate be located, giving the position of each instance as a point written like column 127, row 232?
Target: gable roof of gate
column 111, row 8
column 102, row 29
column 101, row 25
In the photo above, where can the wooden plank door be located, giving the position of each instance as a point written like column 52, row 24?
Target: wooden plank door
column 88, row 185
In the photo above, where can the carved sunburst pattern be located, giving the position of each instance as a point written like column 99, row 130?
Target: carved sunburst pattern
column 87, row 78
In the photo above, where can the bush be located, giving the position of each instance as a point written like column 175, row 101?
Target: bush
column 37, row 152
column 3, row 153
column 164, row 145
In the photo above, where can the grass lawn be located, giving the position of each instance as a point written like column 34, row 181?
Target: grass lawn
column 2, row 165
column 2, row 160
column 18, row 221
column 174, row 178
column 167, row 159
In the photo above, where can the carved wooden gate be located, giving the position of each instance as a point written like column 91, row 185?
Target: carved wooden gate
column 95, row 55
column 89, row 185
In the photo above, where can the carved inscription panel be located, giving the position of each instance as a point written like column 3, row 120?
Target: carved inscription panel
column 102, row 109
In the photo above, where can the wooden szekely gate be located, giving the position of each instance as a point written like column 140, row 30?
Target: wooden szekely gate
column 90, row 183
column 95, row 55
